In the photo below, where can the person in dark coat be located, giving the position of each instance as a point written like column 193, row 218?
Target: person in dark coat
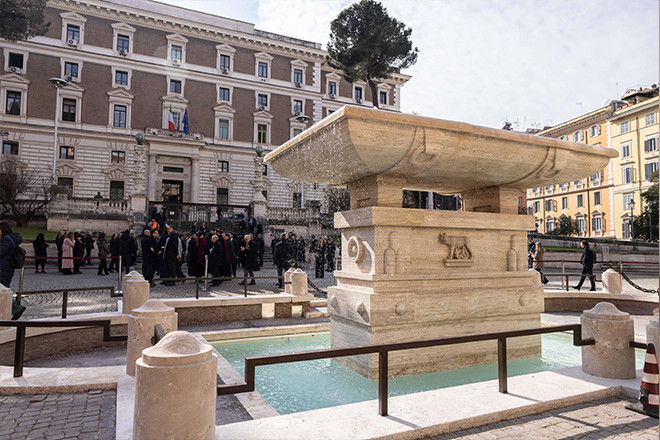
column 252, row 225
column 249, row 250
column 149, row 256
column 260, row 229
column 58, row 242
column 587, row 261
column 241, row 226
column 319, row 259
column 126, row 247
column 236, row 246
column 261, row 247
column 78, row 252
column 88, row 242
column 114, row 252
column 282, row 257
column 330, row 249
column 40, row 252
column 104, row 251
column 216, row 255
column 9, row 240
column 172, row 254
column 226, row 267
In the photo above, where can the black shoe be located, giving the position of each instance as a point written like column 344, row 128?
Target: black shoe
column 252, row 283
column 592, row 290
column 18, row 313
column 576, row 287
column 242, row 283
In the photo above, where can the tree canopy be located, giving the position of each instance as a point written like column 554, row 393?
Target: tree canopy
column 22, row 19
column 367, row 44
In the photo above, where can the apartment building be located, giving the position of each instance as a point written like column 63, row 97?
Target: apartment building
column 137, row 67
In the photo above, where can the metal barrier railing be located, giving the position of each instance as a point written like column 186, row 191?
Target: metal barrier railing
column 383, row 350
column 19, row 346
column 205, row 280
column 65, row 294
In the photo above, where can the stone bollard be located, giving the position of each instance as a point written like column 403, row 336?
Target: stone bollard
column 612, row 329
column 175, row 390
column 6, row 296
column 299, row 283
column 612, row 281
column 287, row 279
column 141, row 324
column 652, row 335
column 136, row 292
column 537, row 276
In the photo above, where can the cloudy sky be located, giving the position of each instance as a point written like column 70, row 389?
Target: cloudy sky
column 531, row 62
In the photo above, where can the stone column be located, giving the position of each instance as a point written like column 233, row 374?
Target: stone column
column 194, row 180
column 612, row 329
column 141, row 325
column 287, row 278
column 175, row 390
column 6, row 296
column 612, row 281
column 652, row 335
column 136, row 291
column 298, row 282
column 151, row 178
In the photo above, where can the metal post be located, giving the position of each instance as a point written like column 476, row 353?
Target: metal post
column 382, row 383
column 20, row 285
column 120, row 273
column 245, row 285
column 206, row 272
column 65, row 300
column 563, row 271
column 501, row 365
column 19, row 351
column 196, row 288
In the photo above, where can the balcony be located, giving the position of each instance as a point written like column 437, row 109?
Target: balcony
column 149, row 131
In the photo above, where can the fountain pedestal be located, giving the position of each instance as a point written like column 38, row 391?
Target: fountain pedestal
column 414, row 274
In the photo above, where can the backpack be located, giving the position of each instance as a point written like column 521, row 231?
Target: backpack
column 17, row 258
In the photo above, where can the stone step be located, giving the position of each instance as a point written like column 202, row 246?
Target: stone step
column 320, row 312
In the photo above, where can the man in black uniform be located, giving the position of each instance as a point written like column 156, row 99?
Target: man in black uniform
column 282, row 257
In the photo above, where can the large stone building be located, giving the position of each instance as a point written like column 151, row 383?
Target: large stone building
column 131, row 70
column 600, row 204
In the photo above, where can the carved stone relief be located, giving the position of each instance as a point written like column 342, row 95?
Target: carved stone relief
column 460, row 254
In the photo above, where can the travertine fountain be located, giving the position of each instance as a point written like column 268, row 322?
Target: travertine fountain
column 410, row 274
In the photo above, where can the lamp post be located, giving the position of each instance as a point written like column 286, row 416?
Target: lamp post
column 58, row 83
column 632, row 219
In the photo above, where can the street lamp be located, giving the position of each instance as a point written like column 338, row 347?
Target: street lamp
column 632, row 219
column 58, row 83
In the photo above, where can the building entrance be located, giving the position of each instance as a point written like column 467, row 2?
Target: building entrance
column 172, row 191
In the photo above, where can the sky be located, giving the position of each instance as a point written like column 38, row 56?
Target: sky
column 530, row 62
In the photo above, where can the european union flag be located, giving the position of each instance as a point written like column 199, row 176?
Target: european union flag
column 186, row 130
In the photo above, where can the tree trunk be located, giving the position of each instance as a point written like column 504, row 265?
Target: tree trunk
column 374, row 92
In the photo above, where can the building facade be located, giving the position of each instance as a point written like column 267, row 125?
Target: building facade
column 601, row 204
column 225, row 86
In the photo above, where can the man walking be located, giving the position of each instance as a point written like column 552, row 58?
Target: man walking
column 587, row 261
column 149, row 256
column 171, row 255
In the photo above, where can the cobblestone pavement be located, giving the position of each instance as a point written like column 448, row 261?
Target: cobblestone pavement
column 81, row 416
column 49, row 305
column 606, row 418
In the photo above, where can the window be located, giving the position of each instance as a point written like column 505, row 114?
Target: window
column 563, row 187
column 67, row 152
column 69, row 109
column 175, row 86
column 297, row 76
column 297, row 200
column 577, row 136
column 223, row 166
column 10, row 148
column 627, row 174
column 596, row 177
column 649, row 169
column 225, row 62
column 624, row 127
column 579, row 183
column 223, row 94
column 13, row 106
column 549, row 226
column 358, row 94
column 172, row 169
column 650, row 144
column 597, row 224
column 223, row 129
column 264, row 170
column 116, row 190
column 119, row 119
column 549, row 205
column 297, row 106
column 176, row 52
column 176, row 116
column 71, row 69
column 121, row 78
column 265, row 194
column 262, row 131
column 123, row 43
column 222, row 196
column 650, row 119
column 66, row 182
column 596, row 197
column 15, row 60
column 594, row 130
column 73, row 32
column 332, row 88
column 564, row 203
column 263, row 69
column 625, row 149
column 117, row 157
column 296, row 132
column 579, row 225
column 536, row 206
column 580, row 200
column 262, row 101
column 382, row 98
column 627, row 198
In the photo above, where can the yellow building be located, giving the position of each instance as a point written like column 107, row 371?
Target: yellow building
column 585, row 201
column 634, row 134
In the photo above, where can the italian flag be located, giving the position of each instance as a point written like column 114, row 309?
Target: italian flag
column 170, row 123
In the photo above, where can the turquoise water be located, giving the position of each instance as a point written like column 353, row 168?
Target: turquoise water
column 303, row 386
